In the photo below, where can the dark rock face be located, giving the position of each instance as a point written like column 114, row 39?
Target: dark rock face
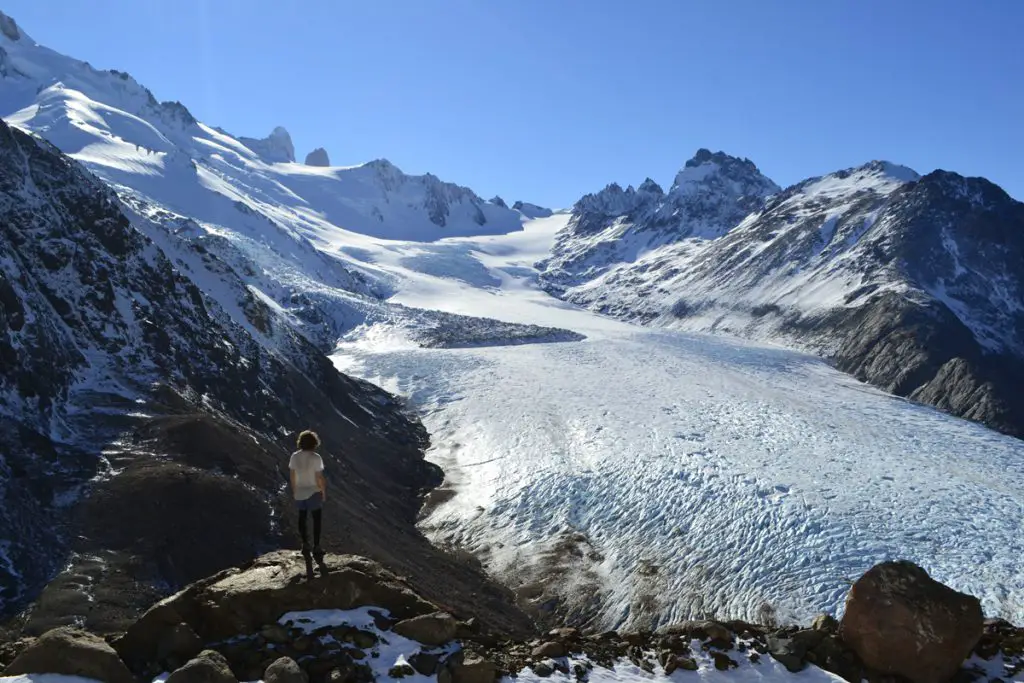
column 901, row 621
column 146, row 433
column 318, row 157
column 532, row 210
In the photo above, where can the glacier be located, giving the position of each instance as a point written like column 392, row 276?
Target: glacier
column 643, row 476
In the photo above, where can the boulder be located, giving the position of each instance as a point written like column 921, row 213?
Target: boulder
column 285, row 670
column 425, row 663
column 437, row 628
column 791, row 652
column 699, row 629
column 566, row 633
column 901, row 621
column 722, row 661
column 71, row 652
column 542, row 669
column 552, row 648
column 242, row 601
column 208, row 667
column 474, row 669
column 178, row 645
column 401, row 670
column 826, row 623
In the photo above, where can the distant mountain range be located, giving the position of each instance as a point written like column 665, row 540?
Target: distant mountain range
column 912, row 283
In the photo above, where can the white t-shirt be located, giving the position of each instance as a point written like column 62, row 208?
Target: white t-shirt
column 305, row 464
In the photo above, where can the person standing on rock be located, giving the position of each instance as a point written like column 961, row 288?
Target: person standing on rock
column 309, row 488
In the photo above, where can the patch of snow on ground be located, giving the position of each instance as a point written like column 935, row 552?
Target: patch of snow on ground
column 391, row 649
column 47, row 678
column 765, row 670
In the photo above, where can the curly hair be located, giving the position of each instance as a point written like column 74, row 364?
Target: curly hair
column 308, row 440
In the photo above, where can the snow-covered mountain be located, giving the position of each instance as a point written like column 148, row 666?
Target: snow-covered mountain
column 532, row 210
column 103, row 340
column 163, row 325
column 911, row 283
column 709, row 196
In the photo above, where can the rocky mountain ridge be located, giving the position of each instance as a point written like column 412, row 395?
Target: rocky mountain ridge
column 125, row 387
column 910, row 283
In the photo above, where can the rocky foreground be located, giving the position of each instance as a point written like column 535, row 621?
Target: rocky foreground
column 360, row 623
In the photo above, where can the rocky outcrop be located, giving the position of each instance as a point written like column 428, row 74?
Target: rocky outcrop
column 71, row 652
column 275, row 148
column 318, row 157
column 532, row 210
column 9, row 27
column 240, row 602
column 901, row 621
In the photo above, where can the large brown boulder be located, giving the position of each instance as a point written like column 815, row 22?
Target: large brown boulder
column 430, row 629
column 285, row 670
column 901, row 621
column 71, row 652
column 242, row 601
column 208, row 667
column 474, row 669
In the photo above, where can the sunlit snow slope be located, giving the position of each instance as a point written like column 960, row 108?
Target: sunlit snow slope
column 641, row 476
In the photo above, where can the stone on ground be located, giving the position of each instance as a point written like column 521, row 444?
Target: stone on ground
column 901, row 621
column 71, row 652
column 285, row 670
column 207, row 667
column 437, row 628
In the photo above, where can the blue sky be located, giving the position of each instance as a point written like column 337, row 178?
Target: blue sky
column 545, row 100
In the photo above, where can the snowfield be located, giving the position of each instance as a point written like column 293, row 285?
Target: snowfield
column 640, row 477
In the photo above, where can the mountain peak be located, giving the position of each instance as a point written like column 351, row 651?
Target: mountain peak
column 9, row 28
column 318, row 157
column 275, row 148
column 718, row 167
column 651, row 187
column 702, row 156
column 894, row 171
column 532, row 210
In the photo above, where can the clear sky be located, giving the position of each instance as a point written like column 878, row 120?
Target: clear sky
column 545, row 100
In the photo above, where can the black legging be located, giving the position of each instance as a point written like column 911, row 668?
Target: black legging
column 317, row 519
